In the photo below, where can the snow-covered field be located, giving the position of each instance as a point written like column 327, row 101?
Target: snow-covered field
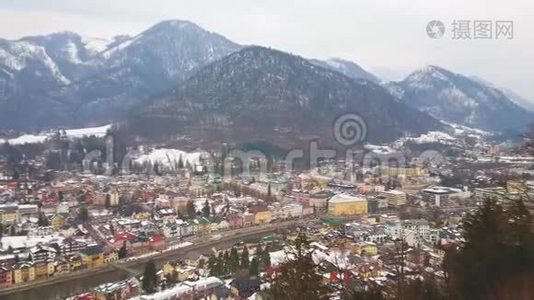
column 16, row 242
column 461, row 129
column 378, row 149
column 171, row 157
column 70, row 133
column 433, row 137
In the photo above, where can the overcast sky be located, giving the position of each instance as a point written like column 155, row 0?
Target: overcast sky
column 387, row 37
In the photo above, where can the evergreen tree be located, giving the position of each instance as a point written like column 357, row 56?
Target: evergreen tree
column 219, row 267
column 265, row 258
column 201, row 263
column 206, row 209
column 107, row 203
column 254, row 266
column 191, row 210
column 497, row 255
column 245, row 258
column 299, row 278
column 123, row 251
column 180, row 163
column 42, row 220
column 227, row 266
column 212, row 265
column 259, row 250
column 111, row 229
column 234, row 260
column 83, row 214
column 150, row 278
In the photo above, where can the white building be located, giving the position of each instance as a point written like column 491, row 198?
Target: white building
column 414, row 232
column 394, row 197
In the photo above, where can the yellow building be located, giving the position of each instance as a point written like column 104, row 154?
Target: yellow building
column 41, row 269
column 61, row 266
column 182, row 273
column 347, row 205
column 93, row 256
column 110, row 257
column 75, row 263
column 58, row 221
column 369, row 249
column 168, row 268
column 410, row 171
column 200, row 225
column 23, row 272
column 8, row 215
column 262, row 217
column 143, row 216
column 185, row 273
column 515, row 186
column 114, row 198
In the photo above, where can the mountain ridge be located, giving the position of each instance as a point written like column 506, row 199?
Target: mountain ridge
column 292, row 98
column 456, row 98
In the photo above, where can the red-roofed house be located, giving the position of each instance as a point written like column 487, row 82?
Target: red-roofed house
column 122, row 237
column 157, row 242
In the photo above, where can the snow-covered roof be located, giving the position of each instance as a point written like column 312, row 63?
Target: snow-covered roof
column 342, row 198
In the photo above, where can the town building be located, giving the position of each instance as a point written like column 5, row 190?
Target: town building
column 346, row 205
column 395, row 198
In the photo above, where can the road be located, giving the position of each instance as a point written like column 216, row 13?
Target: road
column 69, row 284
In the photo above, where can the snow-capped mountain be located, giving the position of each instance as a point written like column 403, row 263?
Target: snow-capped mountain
column 516, row 98
column 24, row 61
column 459, row 99
column 519, row 100
column 347, row 68
column 150, row 63
column 263, row 94
column 74, row 80
column 75, row 56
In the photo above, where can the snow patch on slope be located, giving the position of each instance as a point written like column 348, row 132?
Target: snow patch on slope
column 28, row 139
column 462, row 130
column 95, row 45
column 89, row 131
column 171, row 157
column 100, row 131
column 19, row 54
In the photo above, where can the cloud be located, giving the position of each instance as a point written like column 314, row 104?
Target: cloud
column 379, row 34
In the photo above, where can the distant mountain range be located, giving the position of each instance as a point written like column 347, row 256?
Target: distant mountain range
column 70, row 80
column 179, row 72
column 347, row 68
column 458, row 99
column 263, row 94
